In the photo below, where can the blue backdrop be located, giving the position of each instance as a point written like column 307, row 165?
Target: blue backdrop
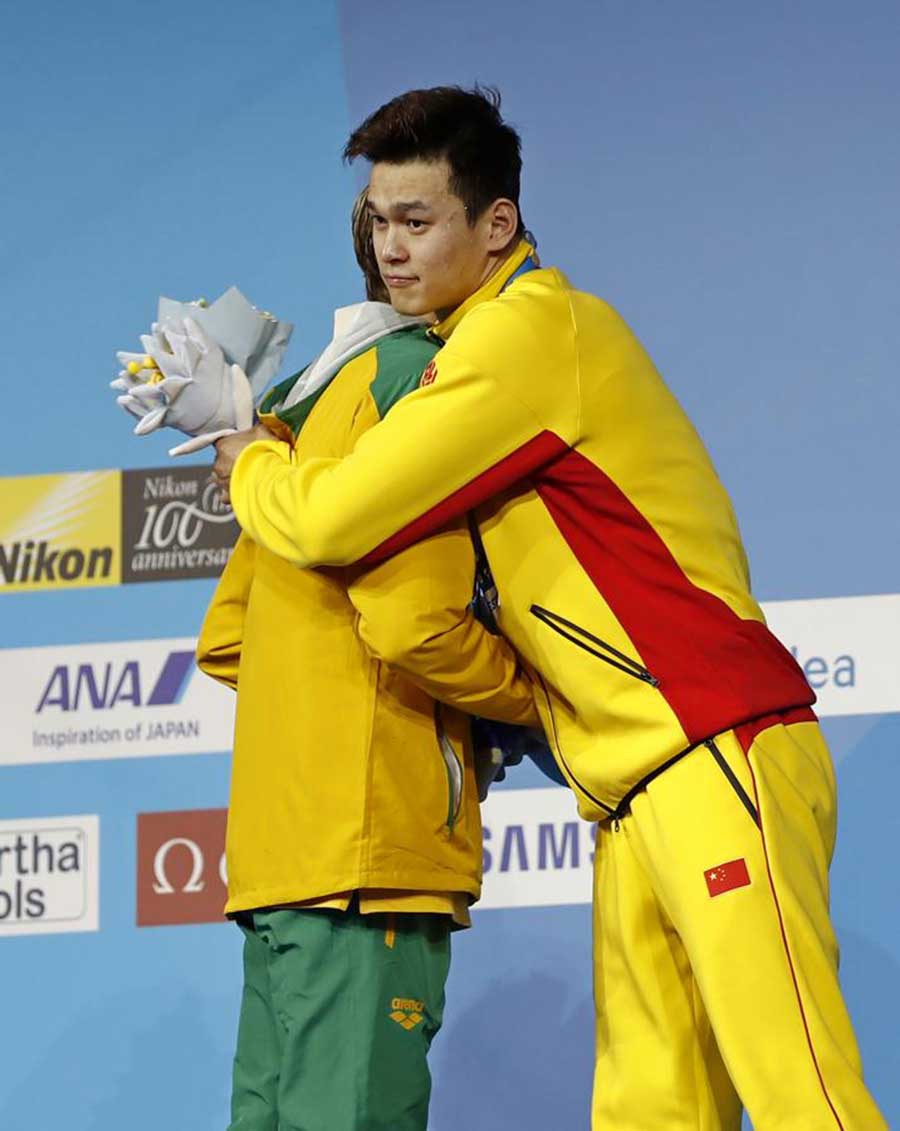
column 725, row 176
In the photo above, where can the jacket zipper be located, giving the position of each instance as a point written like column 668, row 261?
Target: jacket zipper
column 454, row 770
column 732, row 780
column 594, row 645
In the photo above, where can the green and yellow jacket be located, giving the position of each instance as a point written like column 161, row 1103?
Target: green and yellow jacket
column 347, row 775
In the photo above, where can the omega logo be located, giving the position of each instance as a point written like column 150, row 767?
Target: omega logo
column 196, row 881
column 181, row 867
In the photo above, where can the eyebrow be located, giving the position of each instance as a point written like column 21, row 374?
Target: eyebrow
column 399, row 207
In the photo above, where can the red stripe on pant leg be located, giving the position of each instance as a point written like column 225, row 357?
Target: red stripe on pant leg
column 787, row 954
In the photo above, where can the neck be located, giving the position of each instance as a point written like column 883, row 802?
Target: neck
column 492, row 265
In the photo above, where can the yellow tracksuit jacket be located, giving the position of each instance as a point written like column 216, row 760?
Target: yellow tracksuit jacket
column 347, row 775
column 623, row 580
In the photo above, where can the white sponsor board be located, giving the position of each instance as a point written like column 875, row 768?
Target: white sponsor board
column 123, row 700
column 537, row 851
column 146, row 697
column 847, row 649
column 49, row 875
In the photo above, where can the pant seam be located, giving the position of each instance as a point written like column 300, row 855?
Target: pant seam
column 696, row 1058
column 787, row 952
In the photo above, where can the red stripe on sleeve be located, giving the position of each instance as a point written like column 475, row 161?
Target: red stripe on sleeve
column 535, row 453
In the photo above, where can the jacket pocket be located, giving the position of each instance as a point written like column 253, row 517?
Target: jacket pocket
column 593, row 645
column 454, row 768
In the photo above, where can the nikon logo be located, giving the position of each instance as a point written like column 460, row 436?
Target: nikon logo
column 30, row 562
column 60, row 531
column 174, row 525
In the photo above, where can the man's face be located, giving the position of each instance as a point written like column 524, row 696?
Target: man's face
column 429, row 256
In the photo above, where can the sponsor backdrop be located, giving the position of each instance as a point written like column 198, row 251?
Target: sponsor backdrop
column 112, row 527
column 722, row 176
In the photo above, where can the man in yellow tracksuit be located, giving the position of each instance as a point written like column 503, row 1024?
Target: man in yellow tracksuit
column 683, row 726
column 354, row 835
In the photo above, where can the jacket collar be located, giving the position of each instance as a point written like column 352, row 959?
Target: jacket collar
column 486, row 291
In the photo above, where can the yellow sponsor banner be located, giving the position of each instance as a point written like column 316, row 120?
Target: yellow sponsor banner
column 60, row 531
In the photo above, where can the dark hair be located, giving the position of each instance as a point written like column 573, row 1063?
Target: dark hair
column 361, row 227
column 463, row 127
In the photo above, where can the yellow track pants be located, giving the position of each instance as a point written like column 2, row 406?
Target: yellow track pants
column 715, row 960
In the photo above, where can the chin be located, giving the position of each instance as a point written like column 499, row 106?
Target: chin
column 409, row 304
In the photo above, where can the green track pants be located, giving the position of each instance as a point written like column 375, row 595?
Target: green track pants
column 337, row 1016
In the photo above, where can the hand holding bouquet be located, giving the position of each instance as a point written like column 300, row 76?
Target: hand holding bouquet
column 202, row 368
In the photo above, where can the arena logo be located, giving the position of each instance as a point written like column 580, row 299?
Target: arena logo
column 181, row 874
column 49, row 875
column 407, row 1012
column 102, row 687
column 175, row 524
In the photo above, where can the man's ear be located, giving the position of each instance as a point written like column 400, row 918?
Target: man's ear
column 503, row 221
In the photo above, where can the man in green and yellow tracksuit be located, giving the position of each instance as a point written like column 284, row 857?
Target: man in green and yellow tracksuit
column 682, row 725
column 354, row 835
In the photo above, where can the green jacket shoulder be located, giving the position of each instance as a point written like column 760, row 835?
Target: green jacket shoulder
column 402, row 358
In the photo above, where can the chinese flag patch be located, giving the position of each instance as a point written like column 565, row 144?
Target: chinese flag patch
column 428, row 374
column 727, row 877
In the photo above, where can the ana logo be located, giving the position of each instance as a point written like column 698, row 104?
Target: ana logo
column 407, row 1012
column 727, row 877
column 429, row 375
column 100, row 687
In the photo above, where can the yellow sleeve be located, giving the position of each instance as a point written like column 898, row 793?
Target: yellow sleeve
column 480, row 426
column 219, row 645
column 414, row 615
